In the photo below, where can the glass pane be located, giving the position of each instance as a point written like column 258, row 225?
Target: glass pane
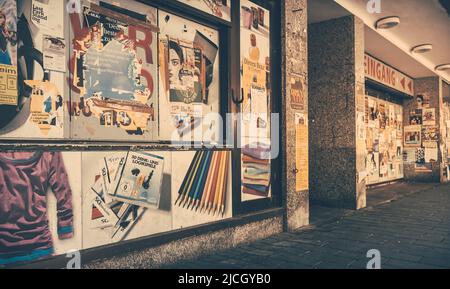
column 256, row 108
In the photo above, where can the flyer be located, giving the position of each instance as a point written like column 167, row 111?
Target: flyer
column 8, row 85
column 54, row 50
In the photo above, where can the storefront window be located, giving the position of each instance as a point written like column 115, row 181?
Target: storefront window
column 139, row 80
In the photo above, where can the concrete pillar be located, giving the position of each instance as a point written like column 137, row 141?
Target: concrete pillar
column 294, row 66
column 431, row 88
column 336, row 94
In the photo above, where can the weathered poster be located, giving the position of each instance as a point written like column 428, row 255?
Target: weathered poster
column 301, row 152
column 429, row 116
column 416, row 117
column 8, row 85
column 114, row 72
column 298, row 100
column 409, row 155
column 413, row 135
column 8, row 53
column 431, row 154
column 41, row 108
column 217, row 8
column 188, row 74
column 373, row 167
column 430, row 133
column 54, row 50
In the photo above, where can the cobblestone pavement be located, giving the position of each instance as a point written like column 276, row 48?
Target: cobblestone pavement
column 411, row 229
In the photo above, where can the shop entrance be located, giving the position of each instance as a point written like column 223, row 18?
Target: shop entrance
column 384, row 137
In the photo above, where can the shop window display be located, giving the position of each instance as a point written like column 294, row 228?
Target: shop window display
column 256, row 105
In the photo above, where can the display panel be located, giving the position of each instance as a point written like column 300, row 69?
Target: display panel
column 56, row 202
column 189, row 80
column 113, row 66
column 384, row 140
column 256, row 105
column 39, row 49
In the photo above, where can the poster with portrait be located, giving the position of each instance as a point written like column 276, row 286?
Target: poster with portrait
column 189, row 80
column 217, row 8
column 43, row 96
column 113, row 68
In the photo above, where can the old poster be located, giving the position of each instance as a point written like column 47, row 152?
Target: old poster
column 41, row 111
column 298, row 100
column 431, row 154
column 54, row 53
column 415, row 117
column 188, row 75
column 8, row 53
column 430, row 133
column 429, row 116
column 114, row 72
column 413, row 135
column 409, row 155
column 218, row 8
column 301, row 152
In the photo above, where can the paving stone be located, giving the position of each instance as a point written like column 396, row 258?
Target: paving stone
column 412, row 232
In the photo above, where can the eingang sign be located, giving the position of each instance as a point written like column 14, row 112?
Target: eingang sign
column 384, row 74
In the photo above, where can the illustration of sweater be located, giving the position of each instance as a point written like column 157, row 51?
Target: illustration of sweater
column 24, row 181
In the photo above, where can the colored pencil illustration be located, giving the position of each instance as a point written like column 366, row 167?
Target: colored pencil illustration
column 204, row 187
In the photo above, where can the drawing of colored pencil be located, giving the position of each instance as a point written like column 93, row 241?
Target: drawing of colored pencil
column 214, row 183
column 222, row 185
column 187, row 177
column 202, row 179
column 210, row 179
column 225, row 183
column 195, row 180
column 189, row 183
column 219, row 185
column 203, row 182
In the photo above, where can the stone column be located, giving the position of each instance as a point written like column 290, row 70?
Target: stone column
column 294, row 66
column 336, row 94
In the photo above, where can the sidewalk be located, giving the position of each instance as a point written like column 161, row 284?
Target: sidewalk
column 408, row 223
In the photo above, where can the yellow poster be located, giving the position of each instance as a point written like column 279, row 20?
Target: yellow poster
column 253, row 76
column 301, row 152
column 8, row 85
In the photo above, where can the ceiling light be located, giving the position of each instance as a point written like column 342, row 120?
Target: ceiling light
column 423, row 48
column 387, row 22
column 443, row 67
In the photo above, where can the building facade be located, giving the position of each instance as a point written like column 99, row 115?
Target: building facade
column 140, row 133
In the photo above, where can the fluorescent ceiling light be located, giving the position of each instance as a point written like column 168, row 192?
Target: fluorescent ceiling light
column 387, row 22
column 443, row 67
column 423, row 48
